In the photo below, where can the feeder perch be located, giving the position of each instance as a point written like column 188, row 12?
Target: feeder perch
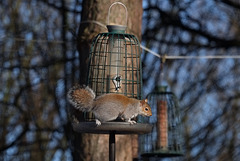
column 166, row 138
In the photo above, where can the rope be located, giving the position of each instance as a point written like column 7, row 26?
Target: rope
column 173, row 57
column 190, row 57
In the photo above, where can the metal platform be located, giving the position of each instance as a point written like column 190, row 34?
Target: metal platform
column 112, row 127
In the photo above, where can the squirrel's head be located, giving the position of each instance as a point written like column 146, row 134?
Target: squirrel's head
column 145, row 108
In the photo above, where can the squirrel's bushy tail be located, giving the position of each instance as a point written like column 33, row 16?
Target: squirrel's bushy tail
column 81, row 97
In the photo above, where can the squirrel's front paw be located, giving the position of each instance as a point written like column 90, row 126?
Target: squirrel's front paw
column 131, row 121
column 98, row 123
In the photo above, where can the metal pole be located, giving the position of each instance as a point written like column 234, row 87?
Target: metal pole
column 112, row 146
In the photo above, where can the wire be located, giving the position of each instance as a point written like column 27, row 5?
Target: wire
column 205, row 57
column 190, row 57
column 174, row 57
column 152, row 52
column 96, row 22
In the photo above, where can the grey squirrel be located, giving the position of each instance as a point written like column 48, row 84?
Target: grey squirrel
column 107, row 107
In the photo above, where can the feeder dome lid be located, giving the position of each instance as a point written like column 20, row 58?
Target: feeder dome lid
column 161, row 88
column 116, row 28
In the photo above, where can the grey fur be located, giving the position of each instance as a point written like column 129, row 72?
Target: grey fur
column 112, row 110
column 76, row 102
column 103, row 108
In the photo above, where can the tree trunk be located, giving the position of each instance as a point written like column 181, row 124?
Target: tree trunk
column 93, row 147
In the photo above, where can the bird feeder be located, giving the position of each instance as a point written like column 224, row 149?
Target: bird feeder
column 114, row 62
column 166, row 138
column 114, row 67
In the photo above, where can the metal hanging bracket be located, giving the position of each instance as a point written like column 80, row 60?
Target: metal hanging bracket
column 117, row 28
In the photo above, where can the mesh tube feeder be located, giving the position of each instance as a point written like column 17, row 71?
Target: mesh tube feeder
column 166, row 139
column 115, row 65
column 114, row 62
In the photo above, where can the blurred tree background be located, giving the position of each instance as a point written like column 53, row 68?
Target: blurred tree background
column 39, row 62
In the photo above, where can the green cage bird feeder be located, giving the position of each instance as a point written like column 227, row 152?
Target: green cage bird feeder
column 114, row 62
column 114, row 67
column 166, row 139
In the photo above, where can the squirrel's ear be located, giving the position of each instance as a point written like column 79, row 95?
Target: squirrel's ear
column 142, row 102
column 146, row 100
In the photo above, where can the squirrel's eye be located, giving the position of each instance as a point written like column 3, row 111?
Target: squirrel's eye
column 146, row 109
